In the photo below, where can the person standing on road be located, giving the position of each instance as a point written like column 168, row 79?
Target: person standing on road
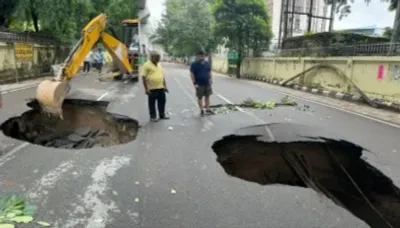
column 99, row 60
column 87, row 62
column 155, row 86
column 200, row 72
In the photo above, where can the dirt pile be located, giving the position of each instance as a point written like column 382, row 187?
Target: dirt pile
column 86, row 124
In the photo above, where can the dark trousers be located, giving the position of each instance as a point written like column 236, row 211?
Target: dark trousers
column 86, row 66
column 157, row 95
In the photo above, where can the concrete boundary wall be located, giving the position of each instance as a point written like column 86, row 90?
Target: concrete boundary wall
column 377, row 77
column 43, row 56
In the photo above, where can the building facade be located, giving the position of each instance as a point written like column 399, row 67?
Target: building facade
column 297, row 24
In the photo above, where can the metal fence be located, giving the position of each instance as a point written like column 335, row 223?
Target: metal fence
column 381, row 49
column 27, row 37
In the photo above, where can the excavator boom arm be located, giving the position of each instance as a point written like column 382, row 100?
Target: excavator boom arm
column 51, row 93
column 93, row 32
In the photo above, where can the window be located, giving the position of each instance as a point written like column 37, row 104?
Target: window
column 297, row 24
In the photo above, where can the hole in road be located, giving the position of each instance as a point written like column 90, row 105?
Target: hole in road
column 297, row 155
column 86, row 124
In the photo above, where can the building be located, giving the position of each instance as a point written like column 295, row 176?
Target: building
column 373, row 31
column 145, row 28
column 297, row 24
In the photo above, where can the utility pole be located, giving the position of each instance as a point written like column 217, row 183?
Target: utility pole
column 310, row 16
column 332, row 17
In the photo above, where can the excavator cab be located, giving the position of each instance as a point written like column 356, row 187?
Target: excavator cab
column 131, row 38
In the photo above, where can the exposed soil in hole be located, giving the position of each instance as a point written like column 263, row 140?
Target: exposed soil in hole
column 86, row 124
column 298, row 155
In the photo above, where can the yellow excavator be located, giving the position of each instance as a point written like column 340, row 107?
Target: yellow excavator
column 51, row 93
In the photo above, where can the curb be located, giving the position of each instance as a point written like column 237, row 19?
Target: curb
column 337, row 95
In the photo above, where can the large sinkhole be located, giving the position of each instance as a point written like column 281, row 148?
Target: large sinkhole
column 85, row 124
column 298, row 155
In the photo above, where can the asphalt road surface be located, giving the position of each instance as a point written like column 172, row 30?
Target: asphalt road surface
column 168, row 176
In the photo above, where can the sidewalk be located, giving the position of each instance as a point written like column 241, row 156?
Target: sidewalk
column 6, row 88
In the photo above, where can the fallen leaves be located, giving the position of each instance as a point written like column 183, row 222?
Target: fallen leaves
column 250, row 103
column 14, row 209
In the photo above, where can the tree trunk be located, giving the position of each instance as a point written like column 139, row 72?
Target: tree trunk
column 239, row 63
column 35, row 16
column 3, row 22
column 396, row 31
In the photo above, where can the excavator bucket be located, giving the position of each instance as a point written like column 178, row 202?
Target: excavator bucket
column 51, row 94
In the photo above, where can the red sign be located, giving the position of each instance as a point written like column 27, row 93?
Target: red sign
column 380, row 73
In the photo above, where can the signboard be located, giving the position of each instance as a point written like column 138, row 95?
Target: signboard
column 23, row 51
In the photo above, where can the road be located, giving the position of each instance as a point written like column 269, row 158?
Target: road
column 168, row 176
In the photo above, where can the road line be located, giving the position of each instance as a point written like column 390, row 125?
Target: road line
column 102, row 96
column 10, row 155
column 323, row 104
column 186, row 92
column 343, row 110
column 240, row 109
column 19, row 89
column 41, row 188
column 94, row 207
column 207, row 124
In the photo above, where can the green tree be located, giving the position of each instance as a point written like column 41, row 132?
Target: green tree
column 245, row 24
column 185, row 27
column 388, row 32
column 7, row 8
column 66, row 18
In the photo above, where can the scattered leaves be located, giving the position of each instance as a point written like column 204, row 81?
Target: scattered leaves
column 43, row 223
column 14, row 209
column 250, row 103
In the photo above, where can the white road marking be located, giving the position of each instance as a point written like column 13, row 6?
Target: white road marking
column 102, row 96
column 207, row 124
column 10, row 155
column 343, row 110
column 240, row 109
column 41, row 188
column 327, row 105
column 94, row 194
column 19, row 89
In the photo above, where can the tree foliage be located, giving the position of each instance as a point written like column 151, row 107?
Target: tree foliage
column 244, row 24
column 64, row 18
column 185, row 27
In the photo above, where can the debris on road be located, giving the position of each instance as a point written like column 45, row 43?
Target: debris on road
column 86, row 124
column 170, row 128
column 250, row 103
column 14, row 209
column 137, row 200
column 173, row 191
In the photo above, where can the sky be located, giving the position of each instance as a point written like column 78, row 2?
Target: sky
column 363, row 15
column 374, row 14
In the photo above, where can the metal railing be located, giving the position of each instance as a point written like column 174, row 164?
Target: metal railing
column 27, row 37
column 381, row 49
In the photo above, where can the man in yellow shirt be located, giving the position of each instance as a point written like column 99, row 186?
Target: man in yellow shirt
column 155, row 86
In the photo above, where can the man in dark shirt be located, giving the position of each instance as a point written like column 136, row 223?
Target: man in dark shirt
column 200, row 72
